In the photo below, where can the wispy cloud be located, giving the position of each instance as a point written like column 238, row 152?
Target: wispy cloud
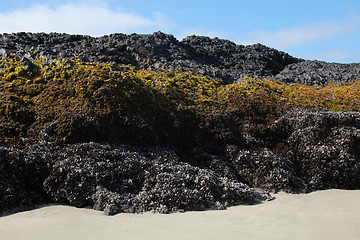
column 80, row 18
column 300, row 35
column 331, row 55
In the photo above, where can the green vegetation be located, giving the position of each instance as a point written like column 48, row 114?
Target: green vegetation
column 98, row 101
column 262, row 100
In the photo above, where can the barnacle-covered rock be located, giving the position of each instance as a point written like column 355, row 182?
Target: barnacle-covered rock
column 21, row 178
column 264, row 169
column 132, row 123
column 124, row 179
column 325, row 146
column 319, row 73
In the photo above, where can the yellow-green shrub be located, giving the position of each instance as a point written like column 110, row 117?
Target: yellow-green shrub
column 30, row 98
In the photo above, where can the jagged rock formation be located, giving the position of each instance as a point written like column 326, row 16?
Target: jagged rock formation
column 216, row 58
column 319, row 73
column 116, row 179
column 144, row 151
column 314, row 150
column 319, row 150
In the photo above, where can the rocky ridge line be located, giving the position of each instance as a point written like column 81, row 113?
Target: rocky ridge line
column 216, row 58
column 302, row 151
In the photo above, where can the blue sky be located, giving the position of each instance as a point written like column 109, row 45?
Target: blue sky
column 310, row 29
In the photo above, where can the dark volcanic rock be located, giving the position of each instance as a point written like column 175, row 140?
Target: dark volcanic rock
column 114, row 179
column 267, row 170
column 327, row 147
column 238, row 61
column 319, row 73
column 194, row 163
column 122, row 179
column 21, row 177
column 216, row 58
column 54, row 45
column 308, row 151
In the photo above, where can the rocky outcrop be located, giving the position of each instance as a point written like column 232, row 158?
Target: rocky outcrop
column 22, row 174
column 319, row 73
column 216, row 58
column 213, row 57
column 326, row 147
column 311, row 151
column 146, row 152
column 115, row 179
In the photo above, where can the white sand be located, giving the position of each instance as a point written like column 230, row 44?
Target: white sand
column 332, row 214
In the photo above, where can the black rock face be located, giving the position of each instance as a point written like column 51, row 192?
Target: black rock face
column 319, row 73
column 22, row 174
column 215, row 58
column 115, row 179
column 326, row 147
column 316, row 150
column 187, row 168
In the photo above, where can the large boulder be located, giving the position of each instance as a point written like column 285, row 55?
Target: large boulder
column 325, row 146
column 22, row 174
column 124, row 179
column 319, row 73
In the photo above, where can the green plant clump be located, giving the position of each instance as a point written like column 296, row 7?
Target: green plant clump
column 74, row 101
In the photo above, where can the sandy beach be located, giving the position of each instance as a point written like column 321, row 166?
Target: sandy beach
column 331, row 214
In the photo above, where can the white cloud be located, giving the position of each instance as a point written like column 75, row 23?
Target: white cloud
column 331, row 55
column 300, row 35
column 81, row 18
